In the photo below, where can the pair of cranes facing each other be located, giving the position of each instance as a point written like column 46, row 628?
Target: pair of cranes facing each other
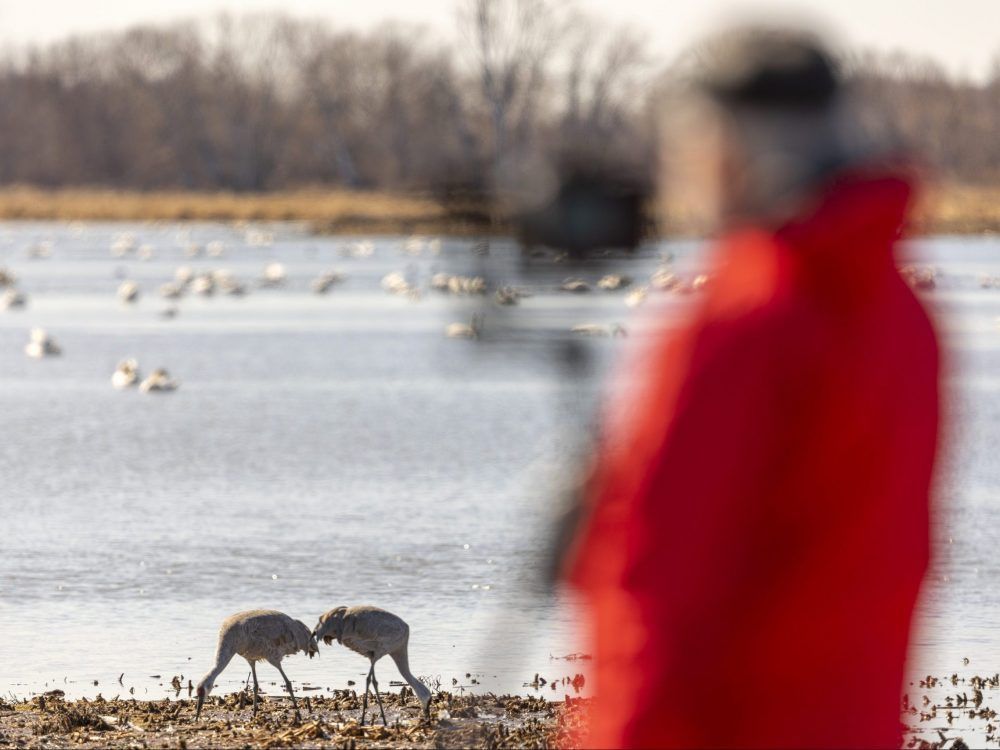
column 266, row 635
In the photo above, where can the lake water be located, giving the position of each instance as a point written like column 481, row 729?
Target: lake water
column 339, row 449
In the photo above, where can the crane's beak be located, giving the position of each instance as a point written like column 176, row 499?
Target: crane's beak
column 197, row 713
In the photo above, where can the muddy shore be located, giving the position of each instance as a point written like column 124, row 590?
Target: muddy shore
column 948, row 711
column 326, row 721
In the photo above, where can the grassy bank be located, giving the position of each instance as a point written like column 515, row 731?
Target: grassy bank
column 959, row 209
column 945, row 209
column 331, row 210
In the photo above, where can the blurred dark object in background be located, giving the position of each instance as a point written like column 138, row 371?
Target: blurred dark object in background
column 466, row 200
column 594, row 208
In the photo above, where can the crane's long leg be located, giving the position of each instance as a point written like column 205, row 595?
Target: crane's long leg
column 364, row 702
column 256, row 687
column 288, row 684
column 377, row 696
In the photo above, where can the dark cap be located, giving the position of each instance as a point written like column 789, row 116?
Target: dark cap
column 769, row 68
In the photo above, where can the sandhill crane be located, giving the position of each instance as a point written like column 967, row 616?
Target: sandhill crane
column 373, row 633
column 258, row 635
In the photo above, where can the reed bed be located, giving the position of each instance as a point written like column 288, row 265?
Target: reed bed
column 946, row 208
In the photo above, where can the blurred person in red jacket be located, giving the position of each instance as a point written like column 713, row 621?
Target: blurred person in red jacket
column 756, row 525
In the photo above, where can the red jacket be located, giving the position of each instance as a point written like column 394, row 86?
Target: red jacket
column 758, row 527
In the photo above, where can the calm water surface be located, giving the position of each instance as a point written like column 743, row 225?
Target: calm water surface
column 338, row 449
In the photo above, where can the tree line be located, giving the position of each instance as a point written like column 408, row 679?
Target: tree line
column 266, row 102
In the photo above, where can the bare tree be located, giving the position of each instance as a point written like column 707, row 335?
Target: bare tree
column 267, row 101
column 511, row 42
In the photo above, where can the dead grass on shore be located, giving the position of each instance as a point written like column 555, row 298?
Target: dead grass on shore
column 342, row 210
column 959, row 209
column 327, row 721
column 946, row 208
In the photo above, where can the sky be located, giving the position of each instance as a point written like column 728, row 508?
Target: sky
column 964, row 35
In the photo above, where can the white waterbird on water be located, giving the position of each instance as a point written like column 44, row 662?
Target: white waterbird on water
column 159, row 380
column 41, row 345
column 258, row 635
column 470, row 330
column 123, row 245
column 373, row 633
column 12, row 299
column 128, row 292
column 126, row 374
column 274, row 275
column 597, row 329
column 322, row 283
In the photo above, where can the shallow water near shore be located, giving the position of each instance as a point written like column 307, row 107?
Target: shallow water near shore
column 338, row 449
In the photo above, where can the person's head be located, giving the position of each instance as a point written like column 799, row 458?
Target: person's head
column 777, row 122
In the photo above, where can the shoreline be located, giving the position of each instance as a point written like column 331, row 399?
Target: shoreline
column 946, row 209
column 327, row 721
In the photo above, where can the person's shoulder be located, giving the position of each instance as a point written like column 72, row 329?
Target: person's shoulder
column 753, row 294
column 755, row 316
column 753, row 282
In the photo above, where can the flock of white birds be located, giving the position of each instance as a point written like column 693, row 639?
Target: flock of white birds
column 206, row 283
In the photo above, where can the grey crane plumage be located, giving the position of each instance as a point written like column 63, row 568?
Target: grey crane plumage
column 258, row 635
column 373, row 633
